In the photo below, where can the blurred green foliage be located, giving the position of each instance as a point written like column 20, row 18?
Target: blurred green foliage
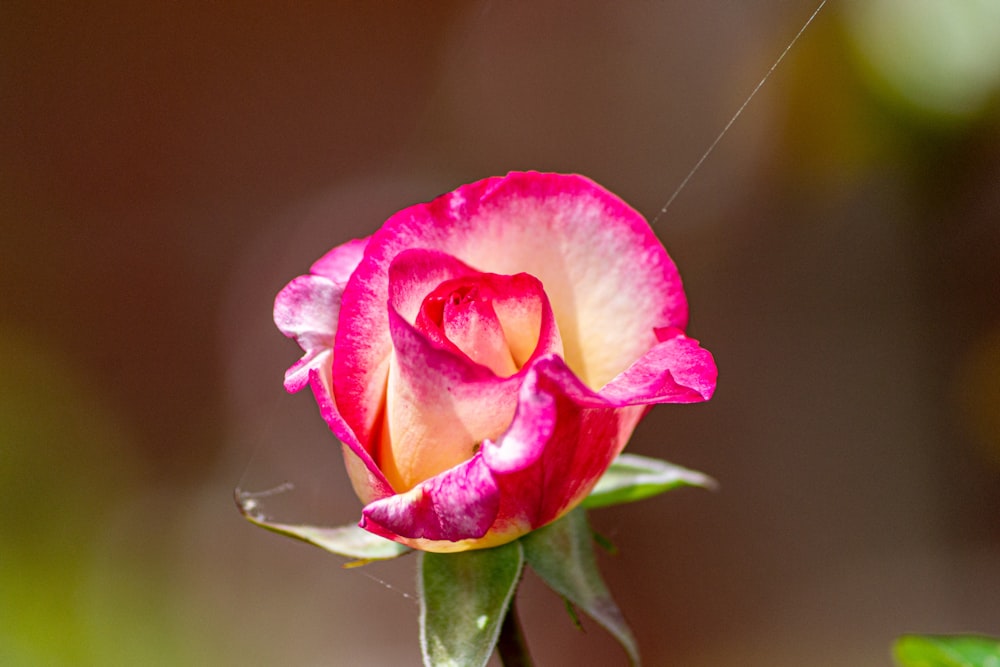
column 66, row 470
column 947, row 651
column 939, row 58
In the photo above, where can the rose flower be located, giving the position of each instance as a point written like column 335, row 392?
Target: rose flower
column 484, row 357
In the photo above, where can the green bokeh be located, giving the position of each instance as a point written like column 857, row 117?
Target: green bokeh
column 66, row 470
column 939, row 58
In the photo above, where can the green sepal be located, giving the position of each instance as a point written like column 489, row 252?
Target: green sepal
column 351, row 541
column 562, row 554
column 947, row 651
column 632, row 477
column 463, row 600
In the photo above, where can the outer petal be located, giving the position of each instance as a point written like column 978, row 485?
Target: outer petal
column 542, row 476
column 367, row 480
column 676, row 370
column 457, row 505
column 307, row 310
column 564, row 435
column 556, row 473
column 524, row 441
column 339, row 263
column 608, row 278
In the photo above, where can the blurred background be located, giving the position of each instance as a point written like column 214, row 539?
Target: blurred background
column 165, row 169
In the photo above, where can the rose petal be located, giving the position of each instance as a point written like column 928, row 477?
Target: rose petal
column 677, row 370
column 561, row 469
column 546, row 473
column 524, row 441
column 561, row 439
column 458, row 504
column 339, row 263
column 509, row 323
column 529, row 325
column 434, row 412
column 307, row 310
column 609, row 280
column 415, row 273
column 367, row 480
column 469, row 321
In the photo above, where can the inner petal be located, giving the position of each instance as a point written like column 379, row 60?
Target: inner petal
column 439, row 407
column 462, row 311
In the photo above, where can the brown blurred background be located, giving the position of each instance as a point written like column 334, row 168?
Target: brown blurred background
column 165, row 169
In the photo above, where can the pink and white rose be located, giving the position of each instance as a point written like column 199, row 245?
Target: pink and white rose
column 485, row 356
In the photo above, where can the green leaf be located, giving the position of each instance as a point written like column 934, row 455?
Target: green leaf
column 947, row 651
column 632, row 477
column 562, row 554
column 463, row 599
column 350, row 541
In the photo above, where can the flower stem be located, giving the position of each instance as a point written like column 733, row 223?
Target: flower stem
column 511, row 646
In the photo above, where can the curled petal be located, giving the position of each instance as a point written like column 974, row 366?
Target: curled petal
column 307, row 310
column 676, row 370
column 524, row 441
column 560, row 470
column 415, row 273
column 548, row 471
column 458, row 504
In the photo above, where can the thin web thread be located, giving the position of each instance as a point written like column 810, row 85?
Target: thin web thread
column 736, row 115
column 407, row 596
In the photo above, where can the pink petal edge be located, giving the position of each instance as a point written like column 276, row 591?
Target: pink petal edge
column 307, row 310
column 458, row 504
column 368, row 481
column 339, row 263
column 676, row 370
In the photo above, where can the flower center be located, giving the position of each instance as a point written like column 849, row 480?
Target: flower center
column 461, row 315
